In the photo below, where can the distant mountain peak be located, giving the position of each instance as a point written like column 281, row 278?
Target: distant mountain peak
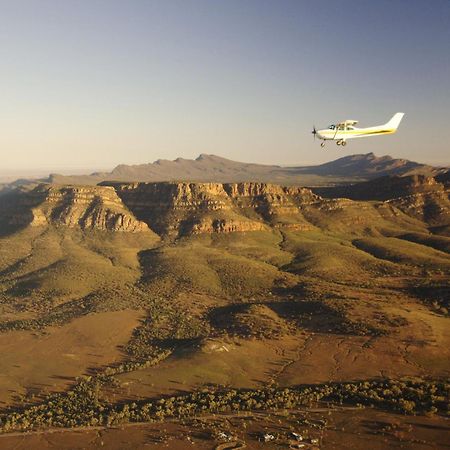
column 212, row 158
column 203, row 156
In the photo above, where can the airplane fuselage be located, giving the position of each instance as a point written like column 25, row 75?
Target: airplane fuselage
column 343, row 131
column 353, row 132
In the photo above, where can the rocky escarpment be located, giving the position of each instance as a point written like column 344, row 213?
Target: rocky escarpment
column 384, row 188
column 419, row 196
column 179, row 209
column 186, row 208
column 91, row 207
column 430, row 207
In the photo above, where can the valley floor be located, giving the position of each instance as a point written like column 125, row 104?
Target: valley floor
column 325, row 428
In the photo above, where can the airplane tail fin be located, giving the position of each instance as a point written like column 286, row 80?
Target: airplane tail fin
column 395, row 121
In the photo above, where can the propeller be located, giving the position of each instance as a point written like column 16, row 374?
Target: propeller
column 314, row 132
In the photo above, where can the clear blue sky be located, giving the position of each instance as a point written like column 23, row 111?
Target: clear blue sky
column 94, row 83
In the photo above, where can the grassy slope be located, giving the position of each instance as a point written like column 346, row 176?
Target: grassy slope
column 441, row 243
column 294, row 306
column 404, row 252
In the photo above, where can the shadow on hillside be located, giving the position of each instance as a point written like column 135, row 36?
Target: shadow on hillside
column 15, row 213
column 8, row 228
column 435, row 295
column 148, row 261
column 309, row 315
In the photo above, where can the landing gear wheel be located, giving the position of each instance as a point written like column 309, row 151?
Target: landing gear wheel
column 338, row 143
column 322, row 144
column 343, row 143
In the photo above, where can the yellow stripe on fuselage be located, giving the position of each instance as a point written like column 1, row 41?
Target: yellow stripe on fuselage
column 358, row 132
column 364, row 133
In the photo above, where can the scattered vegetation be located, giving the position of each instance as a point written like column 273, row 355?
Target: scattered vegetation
column 99, row 301
column 391, row 321
column 57, row 316
column 164, row 329
column 435, row 294
column 83, row 406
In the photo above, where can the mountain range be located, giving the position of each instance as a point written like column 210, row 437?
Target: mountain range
column 211, row 168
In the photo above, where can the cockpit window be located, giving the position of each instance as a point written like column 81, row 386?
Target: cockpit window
column 331, row 127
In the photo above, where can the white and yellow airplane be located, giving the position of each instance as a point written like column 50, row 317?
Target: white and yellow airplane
column 342, row 131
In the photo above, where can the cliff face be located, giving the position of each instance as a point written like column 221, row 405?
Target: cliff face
column 384, row 188
column 92, row 207
column 419, row 196
column 179, row 209
column 430, row 207
column 185, row 208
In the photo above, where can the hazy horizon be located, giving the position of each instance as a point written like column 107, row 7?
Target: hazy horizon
column 88, row 86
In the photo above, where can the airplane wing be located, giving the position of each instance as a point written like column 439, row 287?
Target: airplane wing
column 349, row 122
column 346, row 123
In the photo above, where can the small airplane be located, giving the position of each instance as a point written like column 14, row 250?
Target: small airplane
column 342, row 131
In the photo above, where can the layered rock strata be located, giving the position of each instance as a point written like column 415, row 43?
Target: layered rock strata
column 180, row 209
column 88, row 208
column 186, row 208
column 419, row 196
